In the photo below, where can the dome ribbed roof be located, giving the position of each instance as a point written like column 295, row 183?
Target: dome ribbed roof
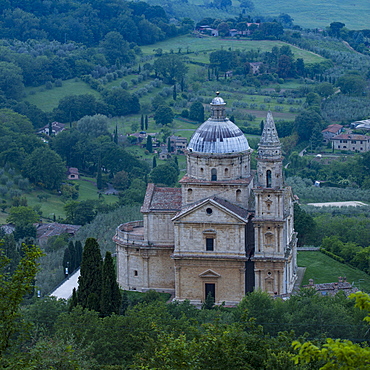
column 218, row 137
column 218, row 134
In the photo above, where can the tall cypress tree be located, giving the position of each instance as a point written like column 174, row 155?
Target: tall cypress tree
column 115, row 136
column 146, row 122
column 110, row 295
column 78, row 248
column 142, row 125
column 154, row 162
column 174, row 92
column 149, row 144
column 90, row 280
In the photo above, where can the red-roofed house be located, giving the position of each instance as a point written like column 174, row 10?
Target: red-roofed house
column 331, row 131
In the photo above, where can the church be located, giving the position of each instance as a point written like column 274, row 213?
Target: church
column 225, row 232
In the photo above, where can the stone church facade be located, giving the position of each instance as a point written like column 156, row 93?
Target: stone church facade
column 227, row 230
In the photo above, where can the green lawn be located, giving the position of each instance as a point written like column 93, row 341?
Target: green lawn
column 200, row 45
column 324, row 269
column 47, row 100
column 319, row 13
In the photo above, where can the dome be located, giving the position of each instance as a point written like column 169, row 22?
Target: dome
column 218, row 134
column 218, row 101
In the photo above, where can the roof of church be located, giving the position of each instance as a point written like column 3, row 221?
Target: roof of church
column 218, row 134
column 158, row 198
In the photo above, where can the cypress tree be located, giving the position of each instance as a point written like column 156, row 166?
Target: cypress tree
column 50, row 129
column 110, row 296
column 72, row 252
column 78, row 248
column 149, row 144
column 73, row 301
column 115, row 137
column 169, row 147
column 90, row 280
column 142, row 125
column 154, row 162
column 174, row 92
column 66, row 260
column 146, row 122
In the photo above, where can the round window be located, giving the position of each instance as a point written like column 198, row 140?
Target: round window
column 209, row 211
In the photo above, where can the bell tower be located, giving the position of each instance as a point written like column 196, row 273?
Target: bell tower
column 275, row 241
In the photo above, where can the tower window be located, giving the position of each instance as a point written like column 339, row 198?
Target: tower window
column 135, row 273
column 226, row 172
column 209, row 244
column 213, row 174
column 238, row 195
column 190, row 195
column 268, row 179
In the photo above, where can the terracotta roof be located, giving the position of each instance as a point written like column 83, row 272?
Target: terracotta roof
column 55, row 228
column 242, row 212
column 351, row 137
column 161, row 198
column 334, row 128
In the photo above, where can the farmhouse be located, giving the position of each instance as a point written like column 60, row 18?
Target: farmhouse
column 56, row 128
column 352, row 142
column 331, row 131
column 225, row 232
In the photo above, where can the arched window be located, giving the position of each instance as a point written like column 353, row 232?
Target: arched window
column 226, row 172
column 190, row 195
column 268, row 179
column 238, row 195
column 213, row 174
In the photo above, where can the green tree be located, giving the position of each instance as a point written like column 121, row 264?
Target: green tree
column 90, row 279
column 121, row 180
column 316, row 137
column 11, row 81
column 304, row 224
column 163, row 115
column 12, row 291
column 116, row 49
column 337, row 353
column 80, row 213
column 22, row 216
column 352, row 84
column 305, row 122
column 149, row 144
column 93, row 126
column 45, row 168
column 121, row 102
column 154, row 165
column 146, row 122
column 196, row 112
column 170, row 67
column 110, row 295
column 165, row 174
column 325, row 89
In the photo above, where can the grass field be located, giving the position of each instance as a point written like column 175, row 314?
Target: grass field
column 324, row 269
column 209, row 44
column 47, row 100
column 319, row 13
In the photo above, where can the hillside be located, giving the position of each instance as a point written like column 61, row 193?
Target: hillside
column 307, row 14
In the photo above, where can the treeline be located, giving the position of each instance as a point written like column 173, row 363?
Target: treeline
column 85, row 22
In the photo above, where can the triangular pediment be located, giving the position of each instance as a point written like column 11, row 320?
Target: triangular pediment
column 209, row 274
column 203, row 205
